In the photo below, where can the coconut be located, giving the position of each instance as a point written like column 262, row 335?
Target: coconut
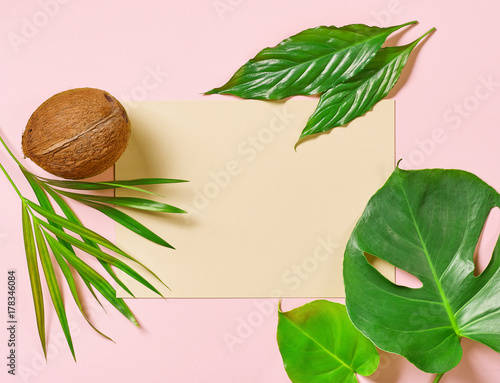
column 78, row 133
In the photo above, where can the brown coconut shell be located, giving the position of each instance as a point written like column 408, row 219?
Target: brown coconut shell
column 78, row 133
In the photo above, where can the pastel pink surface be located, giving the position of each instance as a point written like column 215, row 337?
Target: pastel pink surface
column 447, row 112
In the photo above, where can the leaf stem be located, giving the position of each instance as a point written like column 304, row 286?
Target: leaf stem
column 9, row 151
column 11, row 181
column 438, row 378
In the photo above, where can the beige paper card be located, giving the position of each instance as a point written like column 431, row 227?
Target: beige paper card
column 263, row 219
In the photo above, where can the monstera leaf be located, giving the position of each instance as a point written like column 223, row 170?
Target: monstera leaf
column 319, row 344
column 428, row 223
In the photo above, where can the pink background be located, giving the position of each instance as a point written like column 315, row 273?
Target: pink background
column 447, row 116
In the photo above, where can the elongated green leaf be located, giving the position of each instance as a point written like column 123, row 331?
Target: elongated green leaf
column 39, row 192
column 319, row 344
column 71, row 283
column 128, row 222
column 307, row 63
column 113, row 275
column 45, row 203
column 428, row 223
column 99, row 254
column 130, row 202
column 96, row 252
column 71, row 216
column 95, row 278
column 129, row 184
column 36, row 288
column 76, row 228
column 353, row 98
column 43, row 200
column 114, row 214
column 53, row 286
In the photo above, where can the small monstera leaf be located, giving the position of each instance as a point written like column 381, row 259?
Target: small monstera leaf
column 319, row 344
column 428, row 223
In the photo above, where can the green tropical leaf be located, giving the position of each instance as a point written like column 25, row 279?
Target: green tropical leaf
column 428, row 223
column 89, row 248
column 61, row 243
column 319, row 344
column 130, row 202
column 53, row 286
column 71, row 216
column 129, row 184
column 76, row 228
column 353, row 98
column 45, row 203
column 115, row 214
column 113, row 275
column 307, row 63
column 40, row 193
column 101, row 284
column 99, row 254
column 72, row 285
column 128, row 222
column 34, row 275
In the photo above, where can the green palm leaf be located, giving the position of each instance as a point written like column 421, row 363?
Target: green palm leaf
column 130, row 202
column 53, row 286
column 82, row 185
column 36, row 288
column 45, row 203
column 90, row 249
column 99, row 254
column 61, row 243
column 72, row 285
column 101, row 284
column 71, row 216
column 128, row 222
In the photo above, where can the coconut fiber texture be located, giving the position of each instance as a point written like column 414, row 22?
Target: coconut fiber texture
column 78, row 133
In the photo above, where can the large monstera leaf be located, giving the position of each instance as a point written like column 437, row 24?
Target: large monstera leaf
column 428, row 223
